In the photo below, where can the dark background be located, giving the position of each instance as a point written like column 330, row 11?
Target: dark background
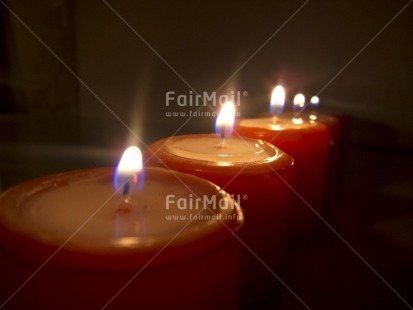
column 205, row 43
column 56, row 117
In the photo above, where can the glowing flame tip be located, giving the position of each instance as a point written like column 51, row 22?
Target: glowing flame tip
column 131, row 161
column 299, row 101
column 277, row 100
column 315, row 100
column 225, row 120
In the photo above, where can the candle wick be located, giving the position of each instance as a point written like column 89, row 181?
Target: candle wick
column 124, row 207
column 126, row 188
column 223, row 132
column 222, row 144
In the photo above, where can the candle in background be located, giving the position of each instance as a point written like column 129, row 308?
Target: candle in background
column 249, row 169
column 307, row 143
column 339, row 126
column 91, row 241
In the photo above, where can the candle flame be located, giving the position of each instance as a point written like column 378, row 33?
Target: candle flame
column 225, row 120
column 299, row 101
column 131, row 161
column 129, row 167
column 314, row 100
column 277, row 100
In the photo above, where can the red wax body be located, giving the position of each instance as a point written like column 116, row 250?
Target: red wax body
column 308, row 145
column 335, row 149
column 199, row 269
column 339, row 126
column 263, row 197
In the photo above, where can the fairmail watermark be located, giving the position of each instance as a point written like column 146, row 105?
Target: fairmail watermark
column 196, row 113
column 192, row 99
column 203, row 217
column 214, row 202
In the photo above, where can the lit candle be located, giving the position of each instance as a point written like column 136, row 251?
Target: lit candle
column 305, row 141
column 339, row 126
column 250, row 170
column 177, row 236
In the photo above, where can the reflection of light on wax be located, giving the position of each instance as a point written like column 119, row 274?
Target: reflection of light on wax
column 297, row 121
column 275, row 126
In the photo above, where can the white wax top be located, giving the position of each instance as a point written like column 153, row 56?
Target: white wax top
column 278, row 123
column 209, row 148
column 86, row 208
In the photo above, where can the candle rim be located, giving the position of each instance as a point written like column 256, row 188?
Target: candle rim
column 271, row 153
column 16, row 194
column 286, row 123
column 276, row 161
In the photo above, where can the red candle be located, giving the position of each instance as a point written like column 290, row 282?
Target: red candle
column 250, row 170
column 93, row 241
column 339, row 127
column 307, row 143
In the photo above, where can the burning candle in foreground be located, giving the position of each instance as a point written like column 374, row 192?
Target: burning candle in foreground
column 225, row 122
column 78, row 241
column 249, row 169
column 307, row 143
